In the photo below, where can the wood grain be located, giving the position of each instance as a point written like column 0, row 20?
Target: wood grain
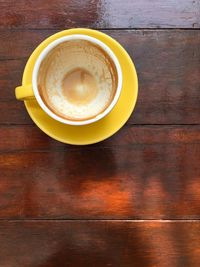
column 99, row 243
column 132, row 200
column 168, row 65
column 142, row 172
column 14, row 112
column 100, row 14
column 31, row 138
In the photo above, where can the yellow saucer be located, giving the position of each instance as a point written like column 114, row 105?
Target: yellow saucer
column 102, row 129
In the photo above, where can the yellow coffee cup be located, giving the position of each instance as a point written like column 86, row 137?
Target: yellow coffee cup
column 30, row 91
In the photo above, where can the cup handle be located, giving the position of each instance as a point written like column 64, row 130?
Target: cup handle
column 24, row 92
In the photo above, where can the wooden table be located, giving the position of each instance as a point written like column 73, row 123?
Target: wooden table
column 132, row 200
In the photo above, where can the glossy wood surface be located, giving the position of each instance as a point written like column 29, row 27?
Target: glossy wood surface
column 131, row 200
column 41, row 178
column 99, row 14
column 99, row 243
column 169, row 93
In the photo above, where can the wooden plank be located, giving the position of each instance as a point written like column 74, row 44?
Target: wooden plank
column 100, row 14
column 99, row 243
column 13, row 112
column 31, row 138
column 146, row 173
column 11, row 72
column 168, row 65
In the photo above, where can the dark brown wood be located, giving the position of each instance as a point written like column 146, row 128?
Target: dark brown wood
column 100, row 14
column 11, row 72
column 168, row 65
column 128, row 201
column 47, row 179
column 127, row 136
column 13, row 112
column 102, row 243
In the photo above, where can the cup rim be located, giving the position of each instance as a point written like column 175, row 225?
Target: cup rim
column 44, row 53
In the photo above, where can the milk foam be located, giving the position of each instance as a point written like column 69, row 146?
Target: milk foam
column 64, row 59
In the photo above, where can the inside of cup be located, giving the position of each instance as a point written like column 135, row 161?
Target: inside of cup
column 77, row 80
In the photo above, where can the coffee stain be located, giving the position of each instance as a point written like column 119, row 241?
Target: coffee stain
column 75, row 90
column 79, row 86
